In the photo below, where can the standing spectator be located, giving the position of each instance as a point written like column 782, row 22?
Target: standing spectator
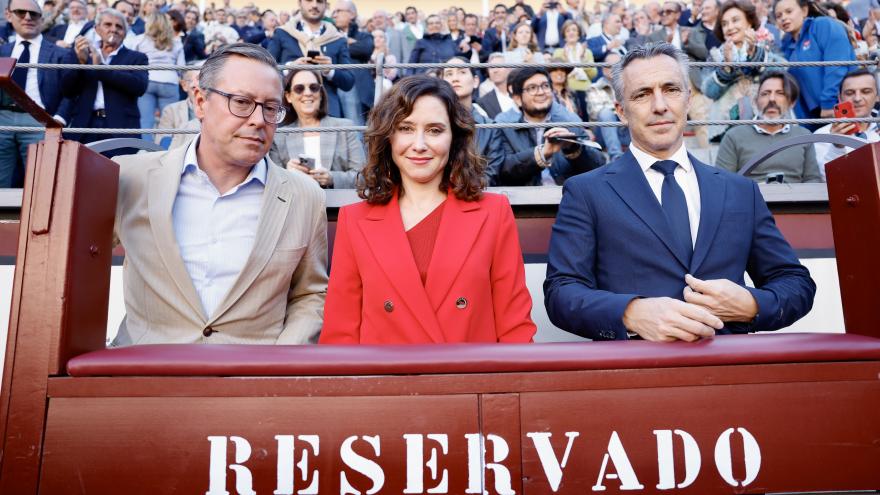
column 137, row 24
column 471, row 44
column 434, row 46
column 412, row 30
column 534, row 157
column 380, row 45
column 106, row 99
column 548, row 25
column 728, row 85
column 453, row 28
column 126, row 7
column 777, row 91
column 218, row 32
column 487, row 144
column 268, row 23
column 180, row 114
column 293, row 41
column 559, row 81
column 690, row 17
column 393, row 37
column 524, row 46
column 357, row 101
column 161, row 47
column 64, row 34
column 247, row 32
column 654, row 13
column 810, row 36
column 496, row 100
column 608, row 40
column 337, row 156
column 283, row 17
column 860, row 88
column 495, row 36
column 600, row 104
column 526, row 8
column 669, row 31
column 193, row 39
column 28, row 46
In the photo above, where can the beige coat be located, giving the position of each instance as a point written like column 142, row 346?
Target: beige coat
column 279, row 294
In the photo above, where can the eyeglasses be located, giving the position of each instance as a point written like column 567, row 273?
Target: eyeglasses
column 21, row 13
column 301, row 88
column 668, row 11
column 534, row 89
column 243, row 106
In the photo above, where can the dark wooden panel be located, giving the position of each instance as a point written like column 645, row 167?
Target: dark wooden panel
column 160, row 445
column 810, row 436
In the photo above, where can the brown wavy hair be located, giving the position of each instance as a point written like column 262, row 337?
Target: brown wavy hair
column 464, row 173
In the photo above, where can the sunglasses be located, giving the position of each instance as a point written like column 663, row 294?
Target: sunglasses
column 668, row 12
column 300, row 88
column 22, row 13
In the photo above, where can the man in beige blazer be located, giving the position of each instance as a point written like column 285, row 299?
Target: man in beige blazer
column 222, row 246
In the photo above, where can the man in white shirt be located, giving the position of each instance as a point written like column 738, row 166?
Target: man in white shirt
column 29, row 46
column 655, row 244
column 494, row 98
column 860, row 88
column 222, row 245
column 64, row 34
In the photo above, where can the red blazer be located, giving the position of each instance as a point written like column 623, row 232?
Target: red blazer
column 475, row 291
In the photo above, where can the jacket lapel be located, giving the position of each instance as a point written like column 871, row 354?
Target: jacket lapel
column 712, row 195
column 277, row 202
column 383, row 230
column 44, row 55
column 164, row 181
column 627, row 179
column 328, row 147
column 459, row 227
column 295, row 146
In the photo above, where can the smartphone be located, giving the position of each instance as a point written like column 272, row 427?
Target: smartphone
column 845, row 110
column 313, row 53
column 307, row 161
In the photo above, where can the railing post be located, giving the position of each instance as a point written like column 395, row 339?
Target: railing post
column 380, row 77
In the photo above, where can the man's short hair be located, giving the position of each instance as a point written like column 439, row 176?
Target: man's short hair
column 81, row 2
column 789, row 84
column 518, row 77
column 858, row 73
column 112, row 13
column 117, row 2
column 647, row 51
column 210, row 73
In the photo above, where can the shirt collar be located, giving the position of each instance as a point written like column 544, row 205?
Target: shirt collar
column 191, row 165
column 761, row 130
column 645, row 159
column 106, row 58
column 35, row 41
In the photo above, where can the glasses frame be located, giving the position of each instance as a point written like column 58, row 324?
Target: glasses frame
column 532, row 90
column 281, row 110
column 21, row 13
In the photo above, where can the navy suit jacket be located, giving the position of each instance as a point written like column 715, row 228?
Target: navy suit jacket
column 597, row 45
column 50, row 82
column 539, row 25
column 611, row 243
column 138, row 26
column 285, row 48
column 121, row 92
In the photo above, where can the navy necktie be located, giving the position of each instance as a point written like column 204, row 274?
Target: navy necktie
column 20, row 73
column 675, row 208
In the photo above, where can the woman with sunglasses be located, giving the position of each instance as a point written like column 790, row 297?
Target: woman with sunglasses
column 333, row 159
column 428, row 257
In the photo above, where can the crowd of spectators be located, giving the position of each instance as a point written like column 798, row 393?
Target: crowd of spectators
column 315, row 32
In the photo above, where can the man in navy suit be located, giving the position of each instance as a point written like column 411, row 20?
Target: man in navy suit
column 43, row 86
column 106, row 99
column 292, row 42
column 655, row 244
column 548, row 25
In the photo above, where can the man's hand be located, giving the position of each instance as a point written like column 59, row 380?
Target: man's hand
column 322, row 60
column 844, row 127
column 554, row 147
column 723, row 298
column 663, row 319
column 82, row 48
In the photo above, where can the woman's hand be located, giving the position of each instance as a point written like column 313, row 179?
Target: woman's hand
column 323, row 177
column 728, row 51
column 294, row 164
column 752, row 40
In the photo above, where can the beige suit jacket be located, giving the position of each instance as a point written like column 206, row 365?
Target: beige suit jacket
column 278, row 296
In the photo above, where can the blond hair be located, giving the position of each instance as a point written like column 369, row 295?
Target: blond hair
column 159, row 29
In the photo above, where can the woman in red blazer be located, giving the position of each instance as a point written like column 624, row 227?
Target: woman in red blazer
column 428, row 257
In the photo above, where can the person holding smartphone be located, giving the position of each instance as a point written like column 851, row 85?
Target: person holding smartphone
column 332, row 159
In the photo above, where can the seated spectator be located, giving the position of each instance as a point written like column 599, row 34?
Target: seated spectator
column 575, row 51
column 268, row 22
column 247, row 32
column 336, row 157
column 427, row 242
column 495, row 99
column 702, row 38
column 129, row 11
column 293, row 41
column 495, row 35
column 777, row 91
column 728, row 85
column 357, row 101
column 523, row 46
column 811, row 36
column 669, row 30
column 600, row 103
column 178, row 114
column 860, row 88
column 218, row 32
column 559, row 80
column 193, row 39
column 608, row 41
column 161, row 47
column 487, row 144
column 106, row 99
column 534, row 157
column 434, row 46
column 64, row 34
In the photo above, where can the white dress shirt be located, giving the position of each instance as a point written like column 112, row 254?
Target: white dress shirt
column 215, row 233
column 32, row 87
column 99, row 96
column 73, row 30
column 684, row 175
column 551, row 35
